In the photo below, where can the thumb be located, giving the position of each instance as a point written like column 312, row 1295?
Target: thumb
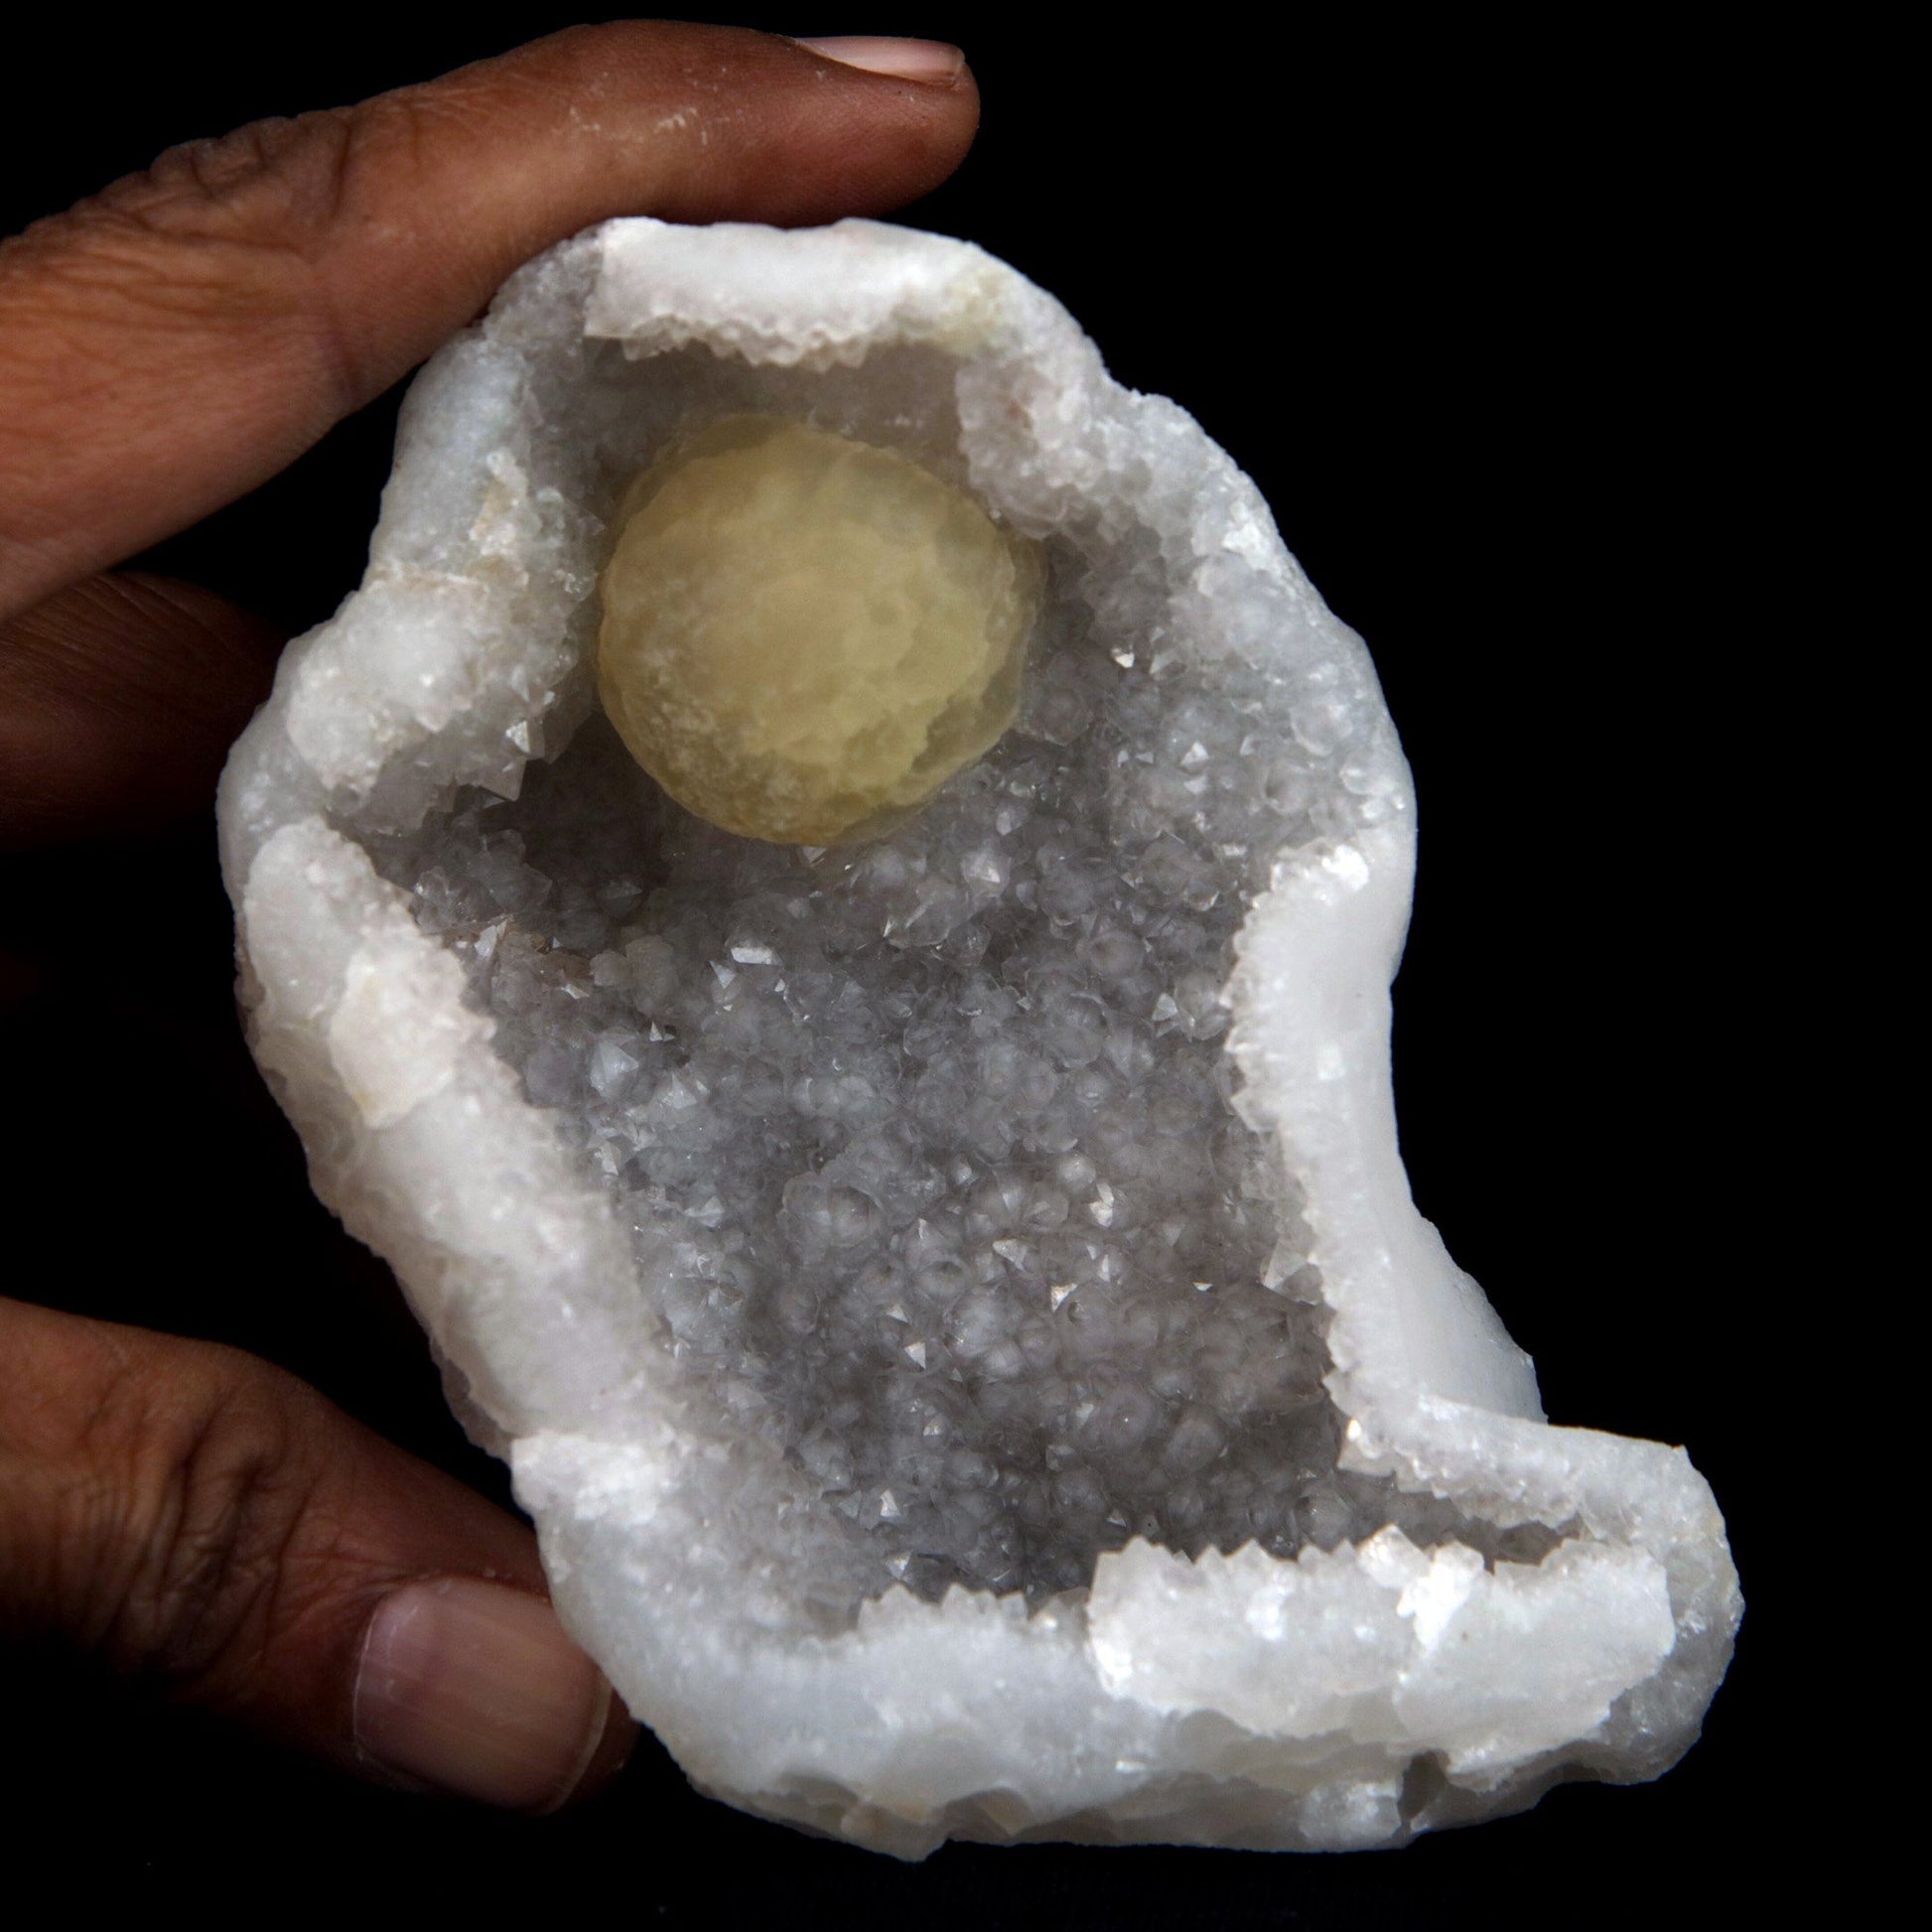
column 204, row 1525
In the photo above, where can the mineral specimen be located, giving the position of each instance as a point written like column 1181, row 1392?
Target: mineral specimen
column 804, row 636
column 952, row 1303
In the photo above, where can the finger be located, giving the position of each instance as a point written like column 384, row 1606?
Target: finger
column 181, row 336
column 119, row 698
column 203, row 1524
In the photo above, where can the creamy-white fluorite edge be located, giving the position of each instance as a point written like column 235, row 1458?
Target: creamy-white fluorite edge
column 1343, row 1699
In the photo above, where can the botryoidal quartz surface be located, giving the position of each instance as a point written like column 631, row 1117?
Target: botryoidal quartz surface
column 952, row 1303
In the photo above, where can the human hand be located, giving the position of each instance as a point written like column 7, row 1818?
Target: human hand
column 182, row 1513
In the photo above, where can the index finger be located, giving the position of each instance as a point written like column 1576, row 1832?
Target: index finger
column 172, row 342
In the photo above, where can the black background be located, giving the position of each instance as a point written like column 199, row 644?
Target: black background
column 1485, row 314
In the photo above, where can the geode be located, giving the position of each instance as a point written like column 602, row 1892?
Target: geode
column 951, row 1301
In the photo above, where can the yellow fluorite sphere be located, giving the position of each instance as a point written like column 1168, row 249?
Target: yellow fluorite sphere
column 804, row 636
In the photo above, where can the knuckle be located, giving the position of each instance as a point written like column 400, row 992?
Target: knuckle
column 229, row 233
column 274, row 185
column 169, row 1510
column 209, row 1490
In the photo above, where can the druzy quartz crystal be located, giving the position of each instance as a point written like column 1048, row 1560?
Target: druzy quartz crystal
column 948, row 1294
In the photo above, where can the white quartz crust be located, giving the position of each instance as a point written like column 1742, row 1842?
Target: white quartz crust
column 1317, row 1698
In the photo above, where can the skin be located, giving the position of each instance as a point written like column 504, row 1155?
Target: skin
column 178, row 1512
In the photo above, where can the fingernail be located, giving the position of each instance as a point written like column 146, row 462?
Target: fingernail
column 932, row 62
column 474, row 1689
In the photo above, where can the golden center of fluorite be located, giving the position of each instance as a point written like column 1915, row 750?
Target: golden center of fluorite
column 803, row 637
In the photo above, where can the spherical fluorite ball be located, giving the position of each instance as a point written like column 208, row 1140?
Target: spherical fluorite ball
column 804, row 636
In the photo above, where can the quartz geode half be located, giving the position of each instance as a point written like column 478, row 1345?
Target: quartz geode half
column 952, row 1303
